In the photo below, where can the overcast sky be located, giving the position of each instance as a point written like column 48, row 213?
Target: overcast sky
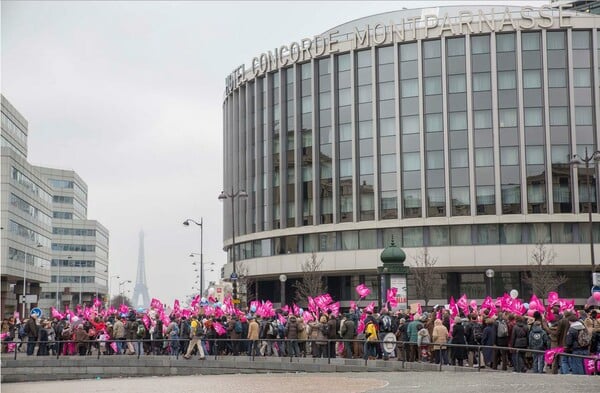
column 129, row 95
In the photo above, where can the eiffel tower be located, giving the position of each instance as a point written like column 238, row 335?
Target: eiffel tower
column 141, row 289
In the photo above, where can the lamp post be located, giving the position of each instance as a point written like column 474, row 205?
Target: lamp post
column 24, row 299
column 200, row 224
column 201, row 272
column 490, row 275
column 589, row 158
column 109, row 288
column 282, row 280
column 120, row 285
column 231, row 196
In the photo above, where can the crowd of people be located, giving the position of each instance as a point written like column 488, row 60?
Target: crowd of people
column 510, row 342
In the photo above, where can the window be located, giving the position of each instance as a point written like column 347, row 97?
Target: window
column 533, row 117
column 457, row 83
column 505, row 42
column 411, row 161
column 507, row 117
column 481, row 81
column 506, row 80
column 532, row 79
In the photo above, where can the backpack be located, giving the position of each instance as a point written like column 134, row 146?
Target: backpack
column 477, row 332
column 238, row 327
column 141, row 330
column 386, row 323
column 536, row 341
column 583, row 338
column 502, row 329
column 175, row 330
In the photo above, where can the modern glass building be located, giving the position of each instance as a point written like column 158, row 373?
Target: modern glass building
column 449, row 129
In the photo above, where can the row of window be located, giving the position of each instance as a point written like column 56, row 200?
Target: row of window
column 68, row 184
column 32, row 260
column 62, row 199
column 73, row 263
column 6, row 143
column 73, row 231
column 30, row 185
column 32, row 236
column 62, row 215
column 32, row 211
column 73, row 247
column 13, row 129
column 74, row 279
column 430, row 236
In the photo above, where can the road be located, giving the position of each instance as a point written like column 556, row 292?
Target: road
column 380, row 382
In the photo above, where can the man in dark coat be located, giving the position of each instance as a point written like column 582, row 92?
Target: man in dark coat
column 32, row 331
column 348, row 330
column 291, row 334
column 459, row 354
column 331, row 335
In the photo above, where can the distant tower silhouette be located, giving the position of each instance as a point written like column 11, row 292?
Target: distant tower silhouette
column 141, row 289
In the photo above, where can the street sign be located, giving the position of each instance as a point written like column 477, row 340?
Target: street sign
column 37, row 312
column 28, row 299
column 234, row 276
column 596, row 279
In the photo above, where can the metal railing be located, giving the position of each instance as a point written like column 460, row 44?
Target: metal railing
column 254, row 347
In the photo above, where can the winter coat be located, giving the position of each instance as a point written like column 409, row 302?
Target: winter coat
column 332, row 332
column 571, row 343
column 313, row 330
column 488, row 338
column 302, row 331
column 291, row 328
column 518, row 337
column 458, row 337
column 413, row 331
column 253, row 330
column 119, row 329
column 32, row 329
column 440, row 334
column 348, row 330
column 321, row 337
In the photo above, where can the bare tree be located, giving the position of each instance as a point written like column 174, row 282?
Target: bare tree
column 312, row 282
column 540, row 275
column 423, row 274
column 120, row 299
column 246, row 283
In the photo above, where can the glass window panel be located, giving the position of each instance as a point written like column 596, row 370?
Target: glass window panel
column 457, row 83
column 433, row 85
column 481, row 81
column 555, row 40
column 412, row 237
column 480, row 44
column 483, row 119
column 344, row 97
column 458, row 120
column 439, row 236
column 530, row 41
column 509, row 155
column 365, row 129
column 387, row 127
column 459, row 158
column 487, row 234
column 557, row 78
column 534, row 155
column 345, row 132
column 408, row 52
column 582, row 77
column 505, row 42
column 409, row 88
column 410, row 124
column 364, row 94
column 532, row 79
column 539, row 233
column 583, row 115
column 507, row 117
column 435, row 159
column 431, row 49
column 581, row 39
column 510, row 233
column 533, row 116
column 366, row 165
column 455, row 46
column 411, row 161
column 560, row 154
column 460, row 235
column 388, row 163
column 507, row 80
column 367, row 239
column 350, row 240
column 433, row 122
column 559, row 116
column 386, row 91
column 346, row 168
column 484, row 157
column 343, row 62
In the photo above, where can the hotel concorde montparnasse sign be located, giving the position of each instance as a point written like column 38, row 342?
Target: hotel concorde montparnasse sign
column 429, row 24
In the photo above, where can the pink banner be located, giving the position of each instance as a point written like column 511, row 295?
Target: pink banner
column 362, row 290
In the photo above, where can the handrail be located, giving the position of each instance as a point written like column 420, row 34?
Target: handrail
column 138, row 343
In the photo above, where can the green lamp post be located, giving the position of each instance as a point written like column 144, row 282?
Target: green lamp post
column 393, row 274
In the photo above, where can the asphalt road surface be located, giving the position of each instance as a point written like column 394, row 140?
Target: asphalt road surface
column 445, row 382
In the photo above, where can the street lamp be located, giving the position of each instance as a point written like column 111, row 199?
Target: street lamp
column 58, row 282
column 109, row 287
column 120, row 285
column 231, row 196
column 25, row 280
column 200, row 224
column 282, row 279
column 576, row 160
column 201, row 271
column 490, row 275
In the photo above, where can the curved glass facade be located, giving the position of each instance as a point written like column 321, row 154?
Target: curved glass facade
column 450, row 130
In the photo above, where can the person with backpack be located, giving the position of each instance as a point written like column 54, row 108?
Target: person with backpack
column 538, row 341
column 196, row 334
column 173, row 335
column 385, row 327
column 348, row 332
column 234, row 329
column 474, row 334
column 519, row 340
column 502, row 331
column 577, row 342
column 371, row 338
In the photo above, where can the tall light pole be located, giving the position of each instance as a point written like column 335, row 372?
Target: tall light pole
column 120, row 285
column 576, row 160
column 58, row 281
column 231, row 196
column 201, row 273
column 24, row 299
column 109, row 288
column 200, row 224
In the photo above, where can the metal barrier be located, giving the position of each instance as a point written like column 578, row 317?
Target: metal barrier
column 401, row 346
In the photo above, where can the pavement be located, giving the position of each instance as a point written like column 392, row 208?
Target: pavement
column 356, row 382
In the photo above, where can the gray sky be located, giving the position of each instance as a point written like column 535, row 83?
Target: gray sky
column 129, row 94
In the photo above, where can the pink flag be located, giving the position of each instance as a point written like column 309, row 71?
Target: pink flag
column 219, row 328
column 55, row 314
column 352, row 305
column 146, row 321
column 113, row 345
column 419, row 309
column 78, row 310
column 209, row 311
column 219, row 312
column 453, row 308
column 285, row 308
column 186, row 313
column 312, row 307
column 361, row 327
column 111, row 310
column 195, row 301
column 308, row 317
column 552, row 298
column 335, row 309
column 211, row 299
column 97, row 303
column 156, row 304
column 123, row 309
column 281, row 319
column 176, row 307
column 463, row 304
column 487, row 303
column 362, row 290
column 295, row 309
column 391, row 297
column 370, row 307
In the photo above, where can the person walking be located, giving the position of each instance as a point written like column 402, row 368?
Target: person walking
column 196, row 334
